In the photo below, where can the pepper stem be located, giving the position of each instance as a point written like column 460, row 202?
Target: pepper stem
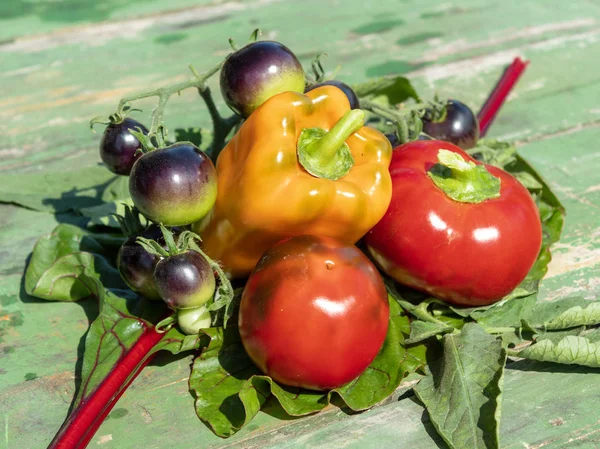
column 325, row 154
column 463, row 181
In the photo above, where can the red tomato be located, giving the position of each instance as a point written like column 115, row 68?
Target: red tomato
column 314, row 313
column 464, row 253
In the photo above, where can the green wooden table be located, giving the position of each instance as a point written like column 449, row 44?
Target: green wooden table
column 64, row 61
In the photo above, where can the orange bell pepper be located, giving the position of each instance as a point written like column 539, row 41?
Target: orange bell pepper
column 266, row 191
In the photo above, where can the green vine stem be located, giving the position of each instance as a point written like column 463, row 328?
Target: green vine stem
column 405, row 118
column 221, row 127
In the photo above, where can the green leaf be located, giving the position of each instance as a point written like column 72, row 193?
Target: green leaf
column 592, row 335
column 526, row 288
column 504, row 155
column 193, row 135
column 395, row 89
column 242, row 390
column 462, row 393
column 70, row 264
column 509, row 314
column 113, row 332
column 528, row 180
column 62, row 191
column 177, row 342
column 123, row 318
column 571, row 350
column 218, row 376
column 393, row 363
column 556, row 336
column 580, row 315
column 493, row 152
column 565, row 313
column 422, row 330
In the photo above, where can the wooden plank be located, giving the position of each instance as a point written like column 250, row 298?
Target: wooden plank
column 22, row 18
column 160, row 397
column 51, row 88
column 44, row 128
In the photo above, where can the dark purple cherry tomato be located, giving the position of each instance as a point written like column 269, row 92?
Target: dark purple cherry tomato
column 185, row 280
column 136, row 265
column 350, row 94
column 258, row 71
column 118, row 146
column 174, row 186
column 460, row 126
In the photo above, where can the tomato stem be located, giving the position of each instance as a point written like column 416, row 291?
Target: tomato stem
column 498, row 96
column 82, row 424
column 221, row 126
column 402, row 118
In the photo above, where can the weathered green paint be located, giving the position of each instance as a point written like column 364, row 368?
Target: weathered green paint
column 53, row 83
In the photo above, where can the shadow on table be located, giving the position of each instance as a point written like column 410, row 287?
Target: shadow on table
column 550, row 367
column 90, row 308
column 88, row 198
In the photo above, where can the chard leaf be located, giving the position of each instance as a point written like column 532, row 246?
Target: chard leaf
column 493, row 152
column 556, row 336
column 70, row 264
column 218, row 376
column 462, row 392
column 570, row 350
column 525, row 289
column 395, row 89
column 177, row 342
column 528, row 180
column 593, row 335
column 509, row 314
column 111, row 335
column 565, row 313
column 122, row 320
column 422, row 330
column 393, row 363
column 242, row 390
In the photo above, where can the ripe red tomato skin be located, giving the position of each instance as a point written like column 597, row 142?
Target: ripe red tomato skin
column 465, row 254
column 314, row 313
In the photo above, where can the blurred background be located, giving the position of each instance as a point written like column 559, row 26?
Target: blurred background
column 65, row 61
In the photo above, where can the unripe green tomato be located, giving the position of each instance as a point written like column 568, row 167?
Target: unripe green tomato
column 191, row 321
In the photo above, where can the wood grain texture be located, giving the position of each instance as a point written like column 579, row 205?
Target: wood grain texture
column 65, row 61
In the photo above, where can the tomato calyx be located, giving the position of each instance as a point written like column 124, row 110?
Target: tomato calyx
column 463, row 181
column 325, row 154
column 131, row 221
column 113, row 119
